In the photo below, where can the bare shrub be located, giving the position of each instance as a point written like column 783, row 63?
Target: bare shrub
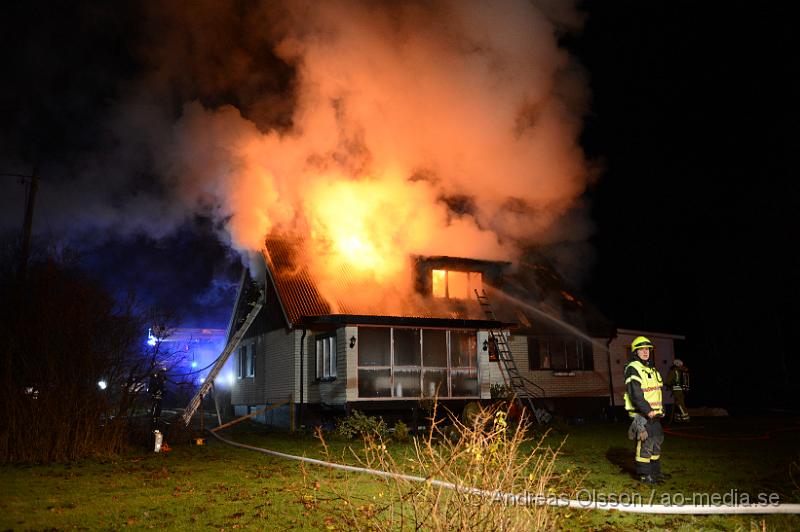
column 73, row 368
column 467, row 473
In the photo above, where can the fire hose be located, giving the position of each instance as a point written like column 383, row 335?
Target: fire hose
column 525, row 500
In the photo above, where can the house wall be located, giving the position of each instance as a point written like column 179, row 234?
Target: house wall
column 276, row 360
column 621, row 355
column 577, row 383
column 484, row 366
column 333, row 392
column 278, row 371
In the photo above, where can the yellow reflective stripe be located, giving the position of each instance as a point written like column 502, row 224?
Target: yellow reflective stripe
column 640, row 458
column 655, row 457
column 633, row 378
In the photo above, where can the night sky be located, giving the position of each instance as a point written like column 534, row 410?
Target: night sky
column 691, row 130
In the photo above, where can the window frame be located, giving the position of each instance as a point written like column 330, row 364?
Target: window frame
column 251, row 360
column 241, row 352
column 472, row 284
column 421, row 368
column 325, row 366
column 583, row 353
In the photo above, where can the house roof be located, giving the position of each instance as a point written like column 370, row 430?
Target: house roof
column 533, row 299
column 544, row 302
column 298, row 293
column 303, row 302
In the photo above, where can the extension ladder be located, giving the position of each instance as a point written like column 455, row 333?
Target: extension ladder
column 524, row 389
column 194, row 404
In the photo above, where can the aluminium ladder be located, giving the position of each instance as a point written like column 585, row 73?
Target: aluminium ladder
column 194, row 404
column 524, row 389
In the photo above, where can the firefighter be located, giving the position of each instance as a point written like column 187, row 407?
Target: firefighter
column 643, row 402
column 678, row 380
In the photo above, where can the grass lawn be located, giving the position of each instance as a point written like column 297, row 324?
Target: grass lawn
column 222, row 487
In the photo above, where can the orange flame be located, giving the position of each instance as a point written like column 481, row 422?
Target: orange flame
column 397, row 110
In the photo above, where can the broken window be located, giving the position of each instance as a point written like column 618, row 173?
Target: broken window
column 455, row 284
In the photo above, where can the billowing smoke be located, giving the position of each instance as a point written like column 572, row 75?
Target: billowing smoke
column 416, row 130
column 371, row 130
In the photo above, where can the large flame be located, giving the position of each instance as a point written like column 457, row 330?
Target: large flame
column 445, row 130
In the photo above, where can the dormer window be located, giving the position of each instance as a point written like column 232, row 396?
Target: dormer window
column 456, row 284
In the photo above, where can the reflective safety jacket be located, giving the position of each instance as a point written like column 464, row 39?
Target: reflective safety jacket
column 678, row 378
column 642, row 389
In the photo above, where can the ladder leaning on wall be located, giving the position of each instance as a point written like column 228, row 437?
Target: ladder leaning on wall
column 194, row 404
column 524, row 389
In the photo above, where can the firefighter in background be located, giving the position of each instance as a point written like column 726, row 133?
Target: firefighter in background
column 678, row 380
column 643, row 401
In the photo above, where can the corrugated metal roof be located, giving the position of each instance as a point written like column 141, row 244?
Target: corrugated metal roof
column 534, row 282
column 302, row 298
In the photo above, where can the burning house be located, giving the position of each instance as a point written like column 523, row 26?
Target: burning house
column 403, row 136
column 332, row 355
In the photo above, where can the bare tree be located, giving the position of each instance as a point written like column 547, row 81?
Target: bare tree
column 74, row 366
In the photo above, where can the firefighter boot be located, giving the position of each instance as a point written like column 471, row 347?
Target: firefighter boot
column 645, row 473
column 655, row 471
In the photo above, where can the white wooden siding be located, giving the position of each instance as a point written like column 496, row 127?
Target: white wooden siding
column 333, row 392
column 580, row 383
column 275, row 373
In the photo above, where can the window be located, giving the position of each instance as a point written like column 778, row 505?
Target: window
column 534, row 358
column 251, row 361
column 455, row 284
column 559, row 353
column 246, row 361
column 407, row 347
column 406, row 362
column 326, row 358
column 374, row 361
column 241, row 366
column 464, row 349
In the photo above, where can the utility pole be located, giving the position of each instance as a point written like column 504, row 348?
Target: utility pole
column 30, row 200
column 27, row 226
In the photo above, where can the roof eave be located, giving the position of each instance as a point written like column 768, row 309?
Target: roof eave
column 408, row 321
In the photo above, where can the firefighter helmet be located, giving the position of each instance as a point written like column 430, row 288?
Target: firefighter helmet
column 641, row 342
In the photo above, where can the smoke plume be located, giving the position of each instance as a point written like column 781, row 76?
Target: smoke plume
column 371, row 130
